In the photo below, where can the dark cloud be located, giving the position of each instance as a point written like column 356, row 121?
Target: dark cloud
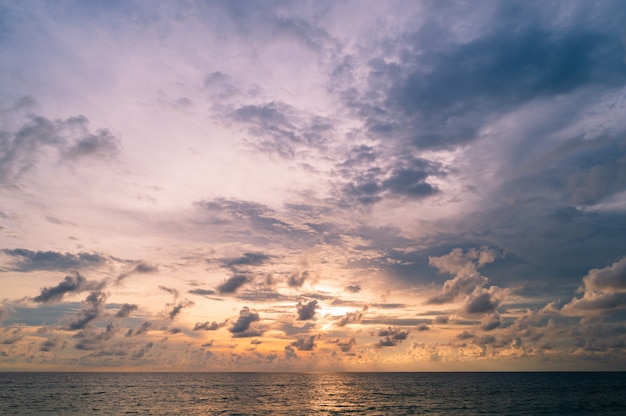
column 71, row 284
column 491, row 322
column 90, row 339
column 247, row 259
column 305, row 343
column 298, row 279
column 346, row 345
column 242, row 327
column 483, row 301
column 260, row 217
column 209, row 326
column 139, row 267
column 279, row 129
column 125, row 310
column 353, row 288
column 306, row 310
column 24, row 260
column 71, row 138
column 202, row 292
column 143, row 329
column 49, row 345
column 392, row 336
column 91, row 309
column 172, row 291
column 233, row 283
column 290, row 353
column 404, row 178
column 178, row 307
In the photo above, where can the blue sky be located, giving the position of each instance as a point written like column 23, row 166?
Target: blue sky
column 275, row 186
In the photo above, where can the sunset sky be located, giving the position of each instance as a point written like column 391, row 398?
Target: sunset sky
column 312, row 186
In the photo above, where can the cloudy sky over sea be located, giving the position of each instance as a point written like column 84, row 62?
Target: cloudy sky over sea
column 324, row 185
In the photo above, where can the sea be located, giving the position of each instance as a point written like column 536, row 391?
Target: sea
column 585, row 393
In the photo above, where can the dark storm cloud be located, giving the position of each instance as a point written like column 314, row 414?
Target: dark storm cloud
column 71, row 138
column 24, row 260
column 92, row 308
column 233, row 283
column 241, row 327
column 125, row 310
column 441, row 91
column 71, row 284
column 306, row 310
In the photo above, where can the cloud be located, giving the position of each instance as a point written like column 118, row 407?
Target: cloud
column 490, row 322
column 90, row 339
column 49, row 345
column 604, row 292
column 467, row 279
column 71, row 138
column 290, row 353
column 139, row 267
column 306, row 311
column 242, row 326
column 202, row 292
column 305, row 343
column 91, row 309
column 208, row 326
column 350, row 318
column 233, row 283
column 24, row 260
column 125, row 310
column 353, row 288
column 483, row 300
column 172, row 291
column 143, row 329
column 178, row 307
column 71, row 284
column 280, row 129
column 298, row 279
column 248, row 259
column 392, row 336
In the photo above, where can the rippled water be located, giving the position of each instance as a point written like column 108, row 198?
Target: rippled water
column 312, row 394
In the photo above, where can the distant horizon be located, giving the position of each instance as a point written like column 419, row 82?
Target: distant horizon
column 313, row 186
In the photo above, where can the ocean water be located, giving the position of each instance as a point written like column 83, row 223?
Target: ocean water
column 312, row 394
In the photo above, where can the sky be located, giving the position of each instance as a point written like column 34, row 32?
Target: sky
column 312, row 185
